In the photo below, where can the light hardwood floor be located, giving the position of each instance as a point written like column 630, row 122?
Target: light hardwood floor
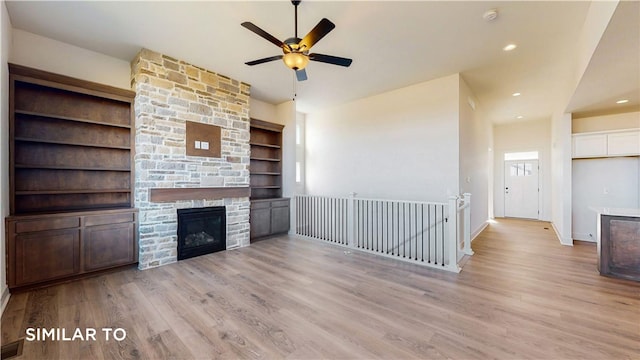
column 521, row 296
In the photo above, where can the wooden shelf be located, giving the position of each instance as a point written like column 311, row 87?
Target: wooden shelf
column 54, row 167
column 72, row 143
column 54, row 116
column 266, row 173
column 265, row 159
column 265, row 145
column 60, row 192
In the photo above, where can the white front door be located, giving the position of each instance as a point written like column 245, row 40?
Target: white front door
column 521, row 189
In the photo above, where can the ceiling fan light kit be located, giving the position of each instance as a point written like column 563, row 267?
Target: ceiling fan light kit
column 295, row 60
column 295, row 50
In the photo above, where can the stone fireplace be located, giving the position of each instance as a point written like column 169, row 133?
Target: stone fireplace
column 170, row 93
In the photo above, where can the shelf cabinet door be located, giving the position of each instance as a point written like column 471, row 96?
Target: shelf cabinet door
column 260, row 222
column 46, row 255
column 107, row 246
column 623, row 144
column 280, row 219
column 592, row 145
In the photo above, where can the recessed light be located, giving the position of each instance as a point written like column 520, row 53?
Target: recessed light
column 624, row 101
column 516, row 94
column 519, row 117
column 509, row 47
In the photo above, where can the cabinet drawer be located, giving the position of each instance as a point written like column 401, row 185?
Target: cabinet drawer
column 260, row 204
column 47, row 224
column 280, row 203
column 109, row 219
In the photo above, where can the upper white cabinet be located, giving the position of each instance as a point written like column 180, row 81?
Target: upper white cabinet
column 605, row 144
column 624, row 143
column 589, row 145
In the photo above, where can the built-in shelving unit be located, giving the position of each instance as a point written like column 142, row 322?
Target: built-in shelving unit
column 269, row 213
column 71, row 178
column 266, row 160
column 71, row 145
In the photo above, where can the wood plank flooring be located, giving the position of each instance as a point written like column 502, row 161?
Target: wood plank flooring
column 521, row 296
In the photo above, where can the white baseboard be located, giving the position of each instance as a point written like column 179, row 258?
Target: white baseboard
column 5, row 298
column 562, row 241
column 583, row 237
column 475, row 234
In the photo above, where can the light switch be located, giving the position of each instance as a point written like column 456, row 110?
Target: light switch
column 197, row 144
column 205, row 145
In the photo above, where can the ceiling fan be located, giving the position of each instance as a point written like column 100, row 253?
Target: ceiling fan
column 295, row 50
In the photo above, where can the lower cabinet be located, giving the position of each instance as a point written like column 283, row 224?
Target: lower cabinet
column 54, row 247
column 269, row 217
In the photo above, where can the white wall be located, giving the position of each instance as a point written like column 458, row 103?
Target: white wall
column 286, row 115
column 400, row 145
column 517, row 137
column 603, row 182
column 263, row 111
column 54, row 56
column 596, row 22
column 561, row 176
column 629, row 120
column 475, row 141
column 6, row 47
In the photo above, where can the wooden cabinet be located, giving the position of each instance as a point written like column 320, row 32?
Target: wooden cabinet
column 606, row 144
column 46, row 248
column 71, row 178
column 269, row 217
column 269, row 213
column 619, row 246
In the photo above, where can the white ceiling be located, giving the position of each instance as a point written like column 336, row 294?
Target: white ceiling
column 392, row 44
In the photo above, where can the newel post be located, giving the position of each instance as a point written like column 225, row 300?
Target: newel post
column 467, row 224
column 351, row 217
column 452, row 236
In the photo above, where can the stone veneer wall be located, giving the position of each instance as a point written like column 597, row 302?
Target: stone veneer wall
column 170, row 92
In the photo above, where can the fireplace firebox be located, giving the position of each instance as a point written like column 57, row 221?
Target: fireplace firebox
column 201, row 231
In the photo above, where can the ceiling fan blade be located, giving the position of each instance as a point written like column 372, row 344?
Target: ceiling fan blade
column 301, row 75
column 335, row 60
column 264, row 60
column 318, row 32
column 258, row 31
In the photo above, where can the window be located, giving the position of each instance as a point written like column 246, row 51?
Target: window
column 527, row 155
column 521, row 169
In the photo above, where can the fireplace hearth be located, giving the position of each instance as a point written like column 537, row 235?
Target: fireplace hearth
column 201, row 231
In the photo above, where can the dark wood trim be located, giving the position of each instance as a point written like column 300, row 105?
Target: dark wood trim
column 42, row 77
column 206, row 193
column 261, row 124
